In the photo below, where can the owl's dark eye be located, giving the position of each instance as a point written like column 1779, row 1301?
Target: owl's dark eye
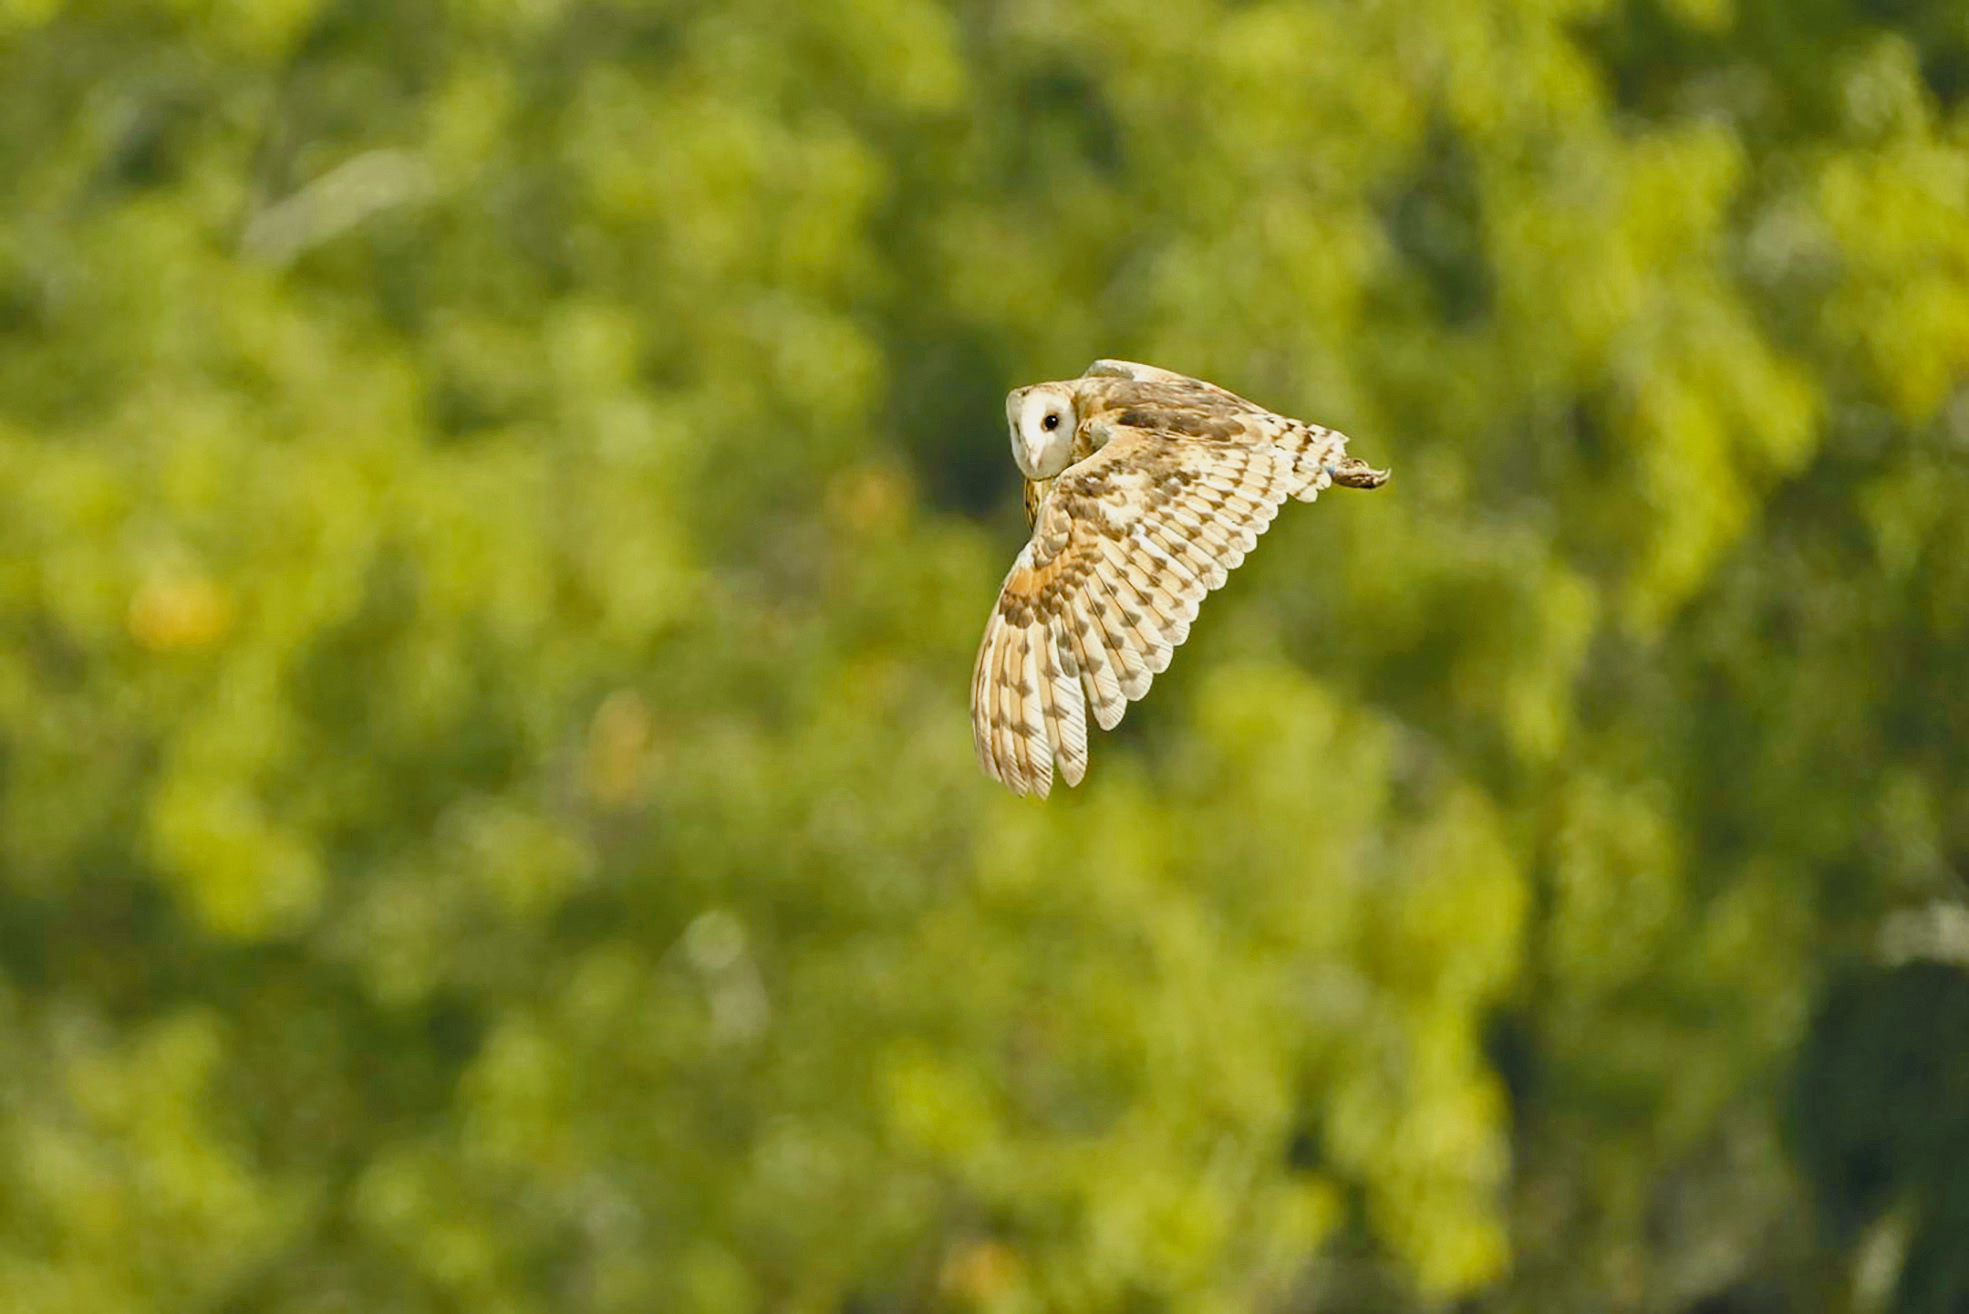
column 1050, row 422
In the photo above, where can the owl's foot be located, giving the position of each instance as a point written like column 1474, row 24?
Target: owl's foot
column 1351, row 473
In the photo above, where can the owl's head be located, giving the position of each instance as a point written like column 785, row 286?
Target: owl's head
column 1042, row 421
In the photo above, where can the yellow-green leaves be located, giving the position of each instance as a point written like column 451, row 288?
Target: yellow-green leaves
column 498, row 499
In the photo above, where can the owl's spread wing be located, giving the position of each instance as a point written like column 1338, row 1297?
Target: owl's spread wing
column 1126, row 545
column 1106, row 368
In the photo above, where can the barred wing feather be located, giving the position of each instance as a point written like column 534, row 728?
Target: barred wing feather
column 1125, row 547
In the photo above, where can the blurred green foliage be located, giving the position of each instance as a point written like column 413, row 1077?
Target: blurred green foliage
column 498, row 499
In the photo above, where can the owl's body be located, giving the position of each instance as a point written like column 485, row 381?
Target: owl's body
column 1144, row 489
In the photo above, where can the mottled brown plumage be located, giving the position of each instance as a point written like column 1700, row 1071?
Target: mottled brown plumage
column 1144, row 488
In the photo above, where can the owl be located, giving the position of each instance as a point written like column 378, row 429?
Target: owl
column 1144, row 488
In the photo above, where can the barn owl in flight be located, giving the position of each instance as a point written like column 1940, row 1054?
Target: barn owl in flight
column 1144, row 488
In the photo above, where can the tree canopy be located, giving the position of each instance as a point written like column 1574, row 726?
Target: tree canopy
column 498, row 499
